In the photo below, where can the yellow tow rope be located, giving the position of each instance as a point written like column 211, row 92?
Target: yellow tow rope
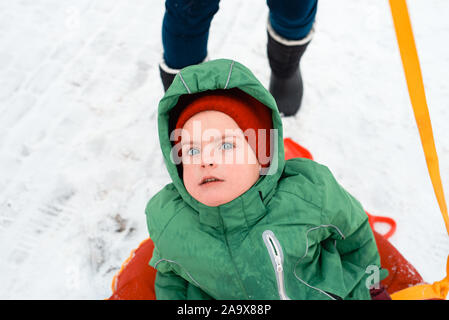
column 410, row 62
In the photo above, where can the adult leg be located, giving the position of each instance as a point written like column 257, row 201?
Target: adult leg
column 185, row 32
column 290, row 29
column 292, row 19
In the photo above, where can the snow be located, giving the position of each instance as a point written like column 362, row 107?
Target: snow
column 79, row 154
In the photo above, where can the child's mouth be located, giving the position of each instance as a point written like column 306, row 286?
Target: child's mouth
column 209, row 180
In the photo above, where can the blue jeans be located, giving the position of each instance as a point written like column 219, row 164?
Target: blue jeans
column 185, row 28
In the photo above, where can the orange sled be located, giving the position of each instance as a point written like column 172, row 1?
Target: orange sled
column 135, row 280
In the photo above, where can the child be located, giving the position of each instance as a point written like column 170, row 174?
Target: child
column 238, row 221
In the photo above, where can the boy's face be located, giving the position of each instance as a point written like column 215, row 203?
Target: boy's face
column 214, row 147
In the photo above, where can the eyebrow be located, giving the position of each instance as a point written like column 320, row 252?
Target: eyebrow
column 223, row 136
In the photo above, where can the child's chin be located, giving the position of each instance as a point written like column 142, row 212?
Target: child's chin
column 214, row 199
column 215, row 202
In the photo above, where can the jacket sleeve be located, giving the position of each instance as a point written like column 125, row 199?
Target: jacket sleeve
column 355, row 240
column 170, row 286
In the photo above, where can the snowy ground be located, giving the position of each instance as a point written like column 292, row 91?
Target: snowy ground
column 79, row 155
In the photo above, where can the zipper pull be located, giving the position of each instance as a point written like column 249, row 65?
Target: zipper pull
column 278, row 261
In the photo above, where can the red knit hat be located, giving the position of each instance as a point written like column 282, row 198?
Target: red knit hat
column 246, row 111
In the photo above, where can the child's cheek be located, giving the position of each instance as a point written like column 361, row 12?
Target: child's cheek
column 188, row 176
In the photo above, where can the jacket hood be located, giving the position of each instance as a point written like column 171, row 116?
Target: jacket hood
column 212, row 75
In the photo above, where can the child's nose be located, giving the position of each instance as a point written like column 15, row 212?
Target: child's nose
column 208, row 160
column 209, row 163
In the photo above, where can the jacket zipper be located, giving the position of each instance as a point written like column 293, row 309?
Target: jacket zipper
column 277, row 258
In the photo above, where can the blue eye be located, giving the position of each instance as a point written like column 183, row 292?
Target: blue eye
column 227, row 146
column 193, row 152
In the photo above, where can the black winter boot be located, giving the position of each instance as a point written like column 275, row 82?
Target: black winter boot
column 167, row 75
column 285, row 81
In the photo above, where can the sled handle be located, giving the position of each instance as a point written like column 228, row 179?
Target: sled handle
column 412, row 70
column 372, row 219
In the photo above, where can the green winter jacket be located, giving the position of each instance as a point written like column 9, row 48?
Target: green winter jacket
column 295, row 234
